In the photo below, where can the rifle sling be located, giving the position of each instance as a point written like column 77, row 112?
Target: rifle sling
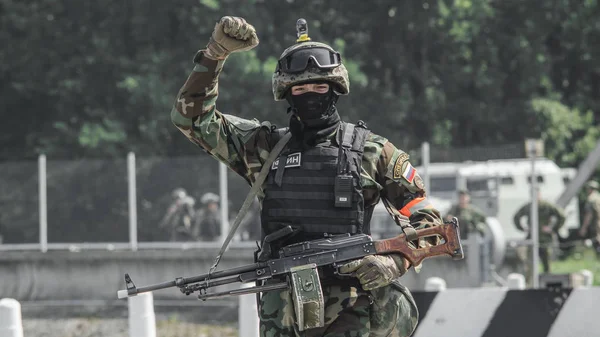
column 407, row 228
column 262, row 175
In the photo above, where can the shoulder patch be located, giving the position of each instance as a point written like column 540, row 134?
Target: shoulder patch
column 399, row 165
column 408, row 172
column 419, row 182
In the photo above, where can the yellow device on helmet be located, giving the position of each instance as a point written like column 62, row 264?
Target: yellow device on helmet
column 302, row 30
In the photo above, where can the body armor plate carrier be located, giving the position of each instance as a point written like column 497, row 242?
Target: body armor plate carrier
column 318, row 190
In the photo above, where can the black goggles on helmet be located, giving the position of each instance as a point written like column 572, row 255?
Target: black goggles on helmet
column 299, row 60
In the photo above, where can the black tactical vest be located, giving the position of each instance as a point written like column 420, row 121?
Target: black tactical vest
column 318, row 190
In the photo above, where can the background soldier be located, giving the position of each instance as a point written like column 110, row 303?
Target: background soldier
column 550, row 219
column 471, row 218
column 178, row 219
column 308, row 188
column 591, row 215
column 207, row 223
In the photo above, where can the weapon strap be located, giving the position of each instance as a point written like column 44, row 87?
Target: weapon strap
column 407, row 228
column 262, row 175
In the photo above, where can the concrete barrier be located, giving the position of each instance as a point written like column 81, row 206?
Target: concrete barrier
column 10, row 318
column 496, row 312
column 579, row 315
column 459, row 312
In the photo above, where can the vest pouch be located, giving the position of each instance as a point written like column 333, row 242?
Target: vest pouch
column 343, row 190
column 307, row 296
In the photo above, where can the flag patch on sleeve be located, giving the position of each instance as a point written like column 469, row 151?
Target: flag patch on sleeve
column 409, row 173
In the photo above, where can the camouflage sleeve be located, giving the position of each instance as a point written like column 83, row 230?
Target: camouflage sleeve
column 554, row 211
column 520, row 213
column 588, row 208
column 241, row 144
column 404, row 188
column 479, row 215
column 588, row 214
column 560, row 217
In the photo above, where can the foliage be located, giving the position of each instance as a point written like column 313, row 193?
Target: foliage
column 99, row 78
column 583, row 258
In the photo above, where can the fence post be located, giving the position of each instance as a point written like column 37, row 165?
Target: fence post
column 132, row 190
column 248, row 315
column 11, row 324
column 224, row 201
column 142, row 321
column 43, row 206
column 425, row 153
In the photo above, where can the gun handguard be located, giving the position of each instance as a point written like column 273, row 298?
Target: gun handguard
column 329, row 251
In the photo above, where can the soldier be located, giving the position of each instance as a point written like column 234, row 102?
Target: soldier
column 550, row 220
column 591, row 215
column 471, row 218
column 178, row 219
column 207, row 222
column 302, row 187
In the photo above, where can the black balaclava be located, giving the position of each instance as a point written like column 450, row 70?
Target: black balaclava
column 314, row 116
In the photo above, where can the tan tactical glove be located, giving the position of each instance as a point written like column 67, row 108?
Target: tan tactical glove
column 231, row 34
column 376, row 271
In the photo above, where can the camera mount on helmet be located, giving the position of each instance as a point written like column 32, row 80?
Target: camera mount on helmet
column 302, row 30
column 309, row 61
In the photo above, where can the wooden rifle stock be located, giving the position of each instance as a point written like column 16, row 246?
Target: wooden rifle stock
column 451, row 245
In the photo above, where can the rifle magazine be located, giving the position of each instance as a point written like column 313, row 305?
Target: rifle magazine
column 307, row 295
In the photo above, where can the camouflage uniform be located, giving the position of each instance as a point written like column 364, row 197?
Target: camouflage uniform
column 178, row 219
column 548, row 215
column 470, row 218
column 592, row 210
column 243, row 145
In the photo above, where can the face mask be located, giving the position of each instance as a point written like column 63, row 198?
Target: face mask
column 311, row 105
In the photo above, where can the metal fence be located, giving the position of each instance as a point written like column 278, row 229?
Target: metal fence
column 108, row 203
column 122, row 203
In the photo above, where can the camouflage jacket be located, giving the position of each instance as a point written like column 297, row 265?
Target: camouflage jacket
column 471, row 219
column 548, row 215
column 243, row 145
column 592, row 207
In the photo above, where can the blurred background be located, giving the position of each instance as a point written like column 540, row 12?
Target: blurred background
column 95, row 181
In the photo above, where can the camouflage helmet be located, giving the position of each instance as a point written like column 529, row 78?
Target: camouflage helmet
column 179, row 193
column 209, row 197
column 311, row 71
column 593, row 185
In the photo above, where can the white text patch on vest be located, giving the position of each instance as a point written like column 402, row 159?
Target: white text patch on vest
column 293, row 160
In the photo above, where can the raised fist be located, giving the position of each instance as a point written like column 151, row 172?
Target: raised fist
column 231, row 34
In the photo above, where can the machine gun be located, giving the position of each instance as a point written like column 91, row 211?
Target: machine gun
column 330, row 251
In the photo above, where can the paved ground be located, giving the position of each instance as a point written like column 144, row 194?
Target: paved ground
column 91, row 327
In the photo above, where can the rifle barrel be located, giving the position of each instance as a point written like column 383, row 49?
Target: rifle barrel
column 156, row 287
